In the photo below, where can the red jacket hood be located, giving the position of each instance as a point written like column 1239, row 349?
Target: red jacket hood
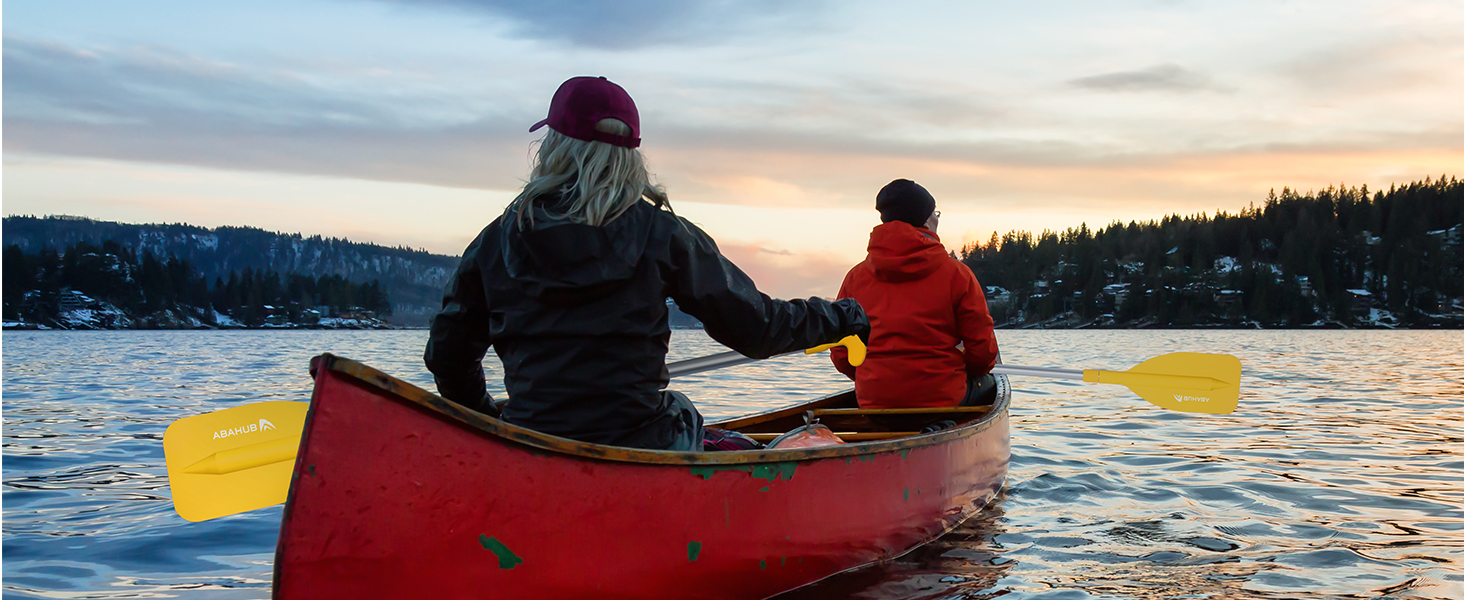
column 899, row 251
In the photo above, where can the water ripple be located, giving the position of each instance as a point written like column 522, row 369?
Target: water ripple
column 1338, row 476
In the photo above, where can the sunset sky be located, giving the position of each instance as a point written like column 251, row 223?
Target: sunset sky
column 772, row 124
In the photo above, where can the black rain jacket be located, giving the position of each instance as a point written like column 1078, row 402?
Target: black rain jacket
column 578, row 316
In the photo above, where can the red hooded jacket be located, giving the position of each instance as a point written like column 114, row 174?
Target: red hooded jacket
column 921, row 303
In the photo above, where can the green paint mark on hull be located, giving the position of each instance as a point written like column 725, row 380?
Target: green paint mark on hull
column 866, row 457
column 772, row 471
column 762, row 564
column 785, row 561
column 769, row 471
column 762, row 489
column 506, row 557
column 905, row 453
column 907, row 493
column 693, row 549
column 706, row 471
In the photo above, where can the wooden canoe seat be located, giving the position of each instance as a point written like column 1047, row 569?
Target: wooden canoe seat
column 856, row 426
column 858, row 419
column 841, row 413
column 819, row 412
column 848, row 436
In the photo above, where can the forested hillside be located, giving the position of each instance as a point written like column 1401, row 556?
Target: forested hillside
column 413, row 279
column 75, row 272
column 111, row 287
column 1339, row 257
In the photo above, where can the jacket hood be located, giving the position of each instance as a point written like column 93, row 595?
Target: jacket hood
column 899, row 251
column 564, row 263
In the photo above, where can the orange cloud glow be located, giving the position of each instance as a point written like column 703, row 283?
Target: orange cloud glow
column 787, row 275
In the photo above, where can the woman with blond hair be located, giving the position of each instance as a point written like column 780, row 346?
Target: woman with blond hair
column 569, row 285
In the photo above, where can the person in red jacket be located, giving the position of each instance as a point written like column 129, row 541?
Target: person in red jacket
column 922, row 303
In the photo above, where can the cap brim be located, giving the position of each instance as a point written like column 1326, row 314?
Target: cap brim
column 538, row 125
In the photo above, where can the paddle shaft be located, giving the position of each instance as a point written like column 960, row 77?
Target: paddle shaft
column 1037, row 372
column 237, row 459
column 712, row 362
column 265, row 453
column 731, row 358
column 229, row 461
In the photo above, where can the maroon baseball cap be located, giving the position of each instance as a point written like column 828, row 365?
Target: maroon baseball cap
column 581, row 102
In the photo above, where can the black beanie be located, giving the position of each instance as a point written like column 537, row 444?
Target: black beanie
column 904, row 200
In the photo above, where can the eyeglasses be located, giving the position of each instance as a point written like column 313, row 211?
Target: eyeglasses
column 936, row 214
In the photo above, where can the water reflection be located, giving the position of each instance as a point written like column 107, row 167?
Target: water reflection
column 1338, row 476
column 966, row 562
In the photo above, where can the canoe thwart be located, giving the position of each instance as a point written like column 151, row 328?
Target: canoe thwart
column 848, row 436
column 818, row 412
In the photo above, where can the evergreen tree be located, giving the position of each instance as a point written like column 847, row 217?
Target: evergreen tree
column 1401, row 245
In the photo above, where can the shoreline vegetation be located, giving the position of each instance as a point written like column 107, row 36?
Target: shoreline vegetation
column 88, row 287
column 1340, row 258
column 1337, row 258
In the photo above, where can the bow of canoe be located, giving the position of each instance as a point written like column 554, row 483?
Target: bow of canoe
column 400, row 493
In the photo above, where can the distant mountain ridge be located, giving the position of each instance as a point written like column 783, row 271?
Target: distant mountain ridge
column 413, row 279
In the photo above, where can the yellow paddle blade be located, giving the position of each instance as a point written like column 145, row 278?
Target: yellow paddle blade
column 853, row 343
column 1182, row 381
column 233, row 460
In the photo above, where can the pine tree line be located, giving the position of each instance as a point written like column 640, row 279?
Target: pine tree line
column 414, row 278
column 1337, row 256
column 38, row 287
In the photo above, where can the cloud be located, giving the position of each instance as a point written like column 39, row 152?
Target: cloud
column 633, row 24
column 786, row 274
column 1381, row 66
column 153, row 105
column 736, row 142
column 1158, row 78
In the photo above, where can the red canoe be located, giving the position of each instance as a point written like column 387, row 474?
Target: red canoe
column 398, row 493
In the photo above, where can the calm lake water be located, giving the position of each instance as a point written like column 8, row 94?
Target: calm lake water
column 1341, row 475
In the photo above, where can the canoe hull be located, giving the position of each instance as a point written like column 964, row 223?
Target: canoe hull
column 394, row 499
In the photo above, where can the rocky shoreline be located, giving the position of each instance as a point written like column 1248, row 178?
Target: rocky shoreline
column 374, row 324
column 109, row 318
column 1375, row 320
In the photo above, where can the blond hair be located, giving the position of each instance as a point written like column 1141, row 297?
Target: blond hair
column 601, row 180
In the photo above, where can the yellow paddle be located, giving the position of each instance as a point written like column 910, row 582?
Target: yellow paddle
column 233, row 460
column 1182, row 381
column 239, row 459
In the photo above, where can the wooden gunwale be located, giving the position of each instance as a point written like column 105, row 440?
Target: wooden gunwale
column 819, row 412
column 452, row 411
column 847, row 436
